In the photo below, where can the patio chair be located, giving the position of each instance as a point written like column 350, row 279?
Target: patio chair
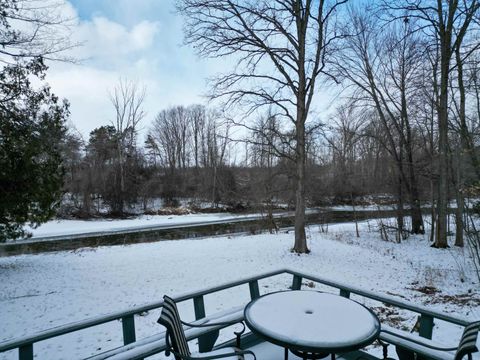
column 467, row 345
column 179, row 345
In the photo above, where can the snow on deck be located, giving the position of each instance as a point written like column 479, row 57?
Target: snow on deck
column 47, row 290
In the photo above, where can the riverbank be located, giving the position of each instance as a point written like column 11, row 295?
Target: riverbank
column 174, row 228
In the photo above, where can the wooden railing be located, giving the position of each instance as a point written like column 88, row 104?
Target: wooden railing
column 25, row 345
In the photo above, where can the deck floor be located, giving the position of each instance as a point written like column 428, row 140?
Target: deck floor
column 268, row 351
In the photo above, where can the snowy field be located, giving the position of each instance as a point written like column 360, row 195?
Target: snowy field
column 47, row 290
column 72, row 227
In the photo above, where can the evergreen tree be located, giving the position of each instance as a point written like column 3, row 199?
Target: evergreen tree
column 32, row 125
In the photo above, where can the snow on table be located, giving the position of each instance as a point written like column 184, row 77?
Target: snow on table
column 311, row 320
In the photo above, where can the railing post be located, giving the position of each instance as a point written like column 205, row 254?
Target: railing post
column 254, row 292
column 207, row 341
column 25, row 352
column 345, row 293
column 426, row 326
column 297, row 282
column 199, row 307
column 128, row 327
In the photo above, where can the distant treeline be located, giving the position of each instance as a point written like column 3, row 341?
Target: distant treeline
column 188, row 153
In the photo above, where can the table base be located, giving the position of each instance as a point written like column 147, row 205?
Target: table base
column 308, row 355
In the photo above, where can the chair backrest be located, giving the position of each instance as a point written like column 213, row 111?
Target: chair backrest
column 171, row 320
column 468, row 341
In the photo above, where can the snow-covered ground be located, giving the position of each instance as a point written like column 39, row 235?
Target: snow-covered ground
column 75, row 227
column 47, row 290
column 362, row 207
column 71, row 227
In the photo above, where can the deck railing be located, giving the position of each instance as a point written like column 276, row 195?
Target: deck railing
column 25, row 345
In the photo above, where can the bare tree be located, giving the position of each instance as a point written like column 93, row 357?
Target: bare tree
column 379, row 68
column 445, row 24
column 171, row 130
column 35, row 29
column 197, row 123
column 214, row 146
column 463, row 123
column 127, row 99
column 280, row 48
column 185, row 136
column 264, row 160
column 348, row 128
column 345, row 132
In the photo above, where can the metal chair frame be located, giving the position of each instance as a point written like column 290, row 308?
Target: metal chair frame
column 466, row 345
column 171, row 331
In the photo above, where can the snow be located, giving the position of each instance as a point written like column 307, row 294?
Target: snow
column 51, row 289
column 72, row 227
column 312, row 319
column 360, row 208
column 268, row 351
column 224, row 351
column 66, row 228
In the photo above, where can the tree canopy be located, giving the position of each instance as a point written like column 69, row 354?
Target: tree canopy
column 32, row 125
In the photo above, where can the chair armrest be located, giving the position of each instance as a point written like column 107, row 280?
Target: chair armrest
column 419, row 342
column 219, row 356
column 238, row 334
column 208, row 324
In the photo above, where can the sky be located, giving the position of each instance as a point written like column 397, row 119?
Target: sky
column 138, row 41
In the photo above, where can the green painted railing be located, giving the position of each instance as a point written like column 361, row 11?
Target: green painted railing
column 25, row 345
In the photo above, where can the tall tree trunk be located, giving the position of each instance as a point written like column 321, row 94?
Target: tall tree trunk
column 300, row 245
column 457, row 182
column 442, row 203
column 400, row 208
column 357, row 232
column 406, row 140
column 214, row 187
column 472, row 152
column 459, row 224
column 415, row 209
column 433, row 213
column 122, row 182
column 466, row 147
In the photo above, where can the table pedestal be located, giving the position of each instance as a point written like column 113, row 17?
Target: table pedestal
column 308, row 355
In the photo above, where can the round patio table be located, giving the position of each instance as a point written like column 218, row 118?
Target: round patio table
column 312, row 324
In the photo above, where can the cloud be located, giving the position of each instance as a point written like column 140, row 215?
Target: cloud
column 132, row 40
column 143, row 34
column 112, row 50
column 104, row 40
column 139, row 43
column 86, row 90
